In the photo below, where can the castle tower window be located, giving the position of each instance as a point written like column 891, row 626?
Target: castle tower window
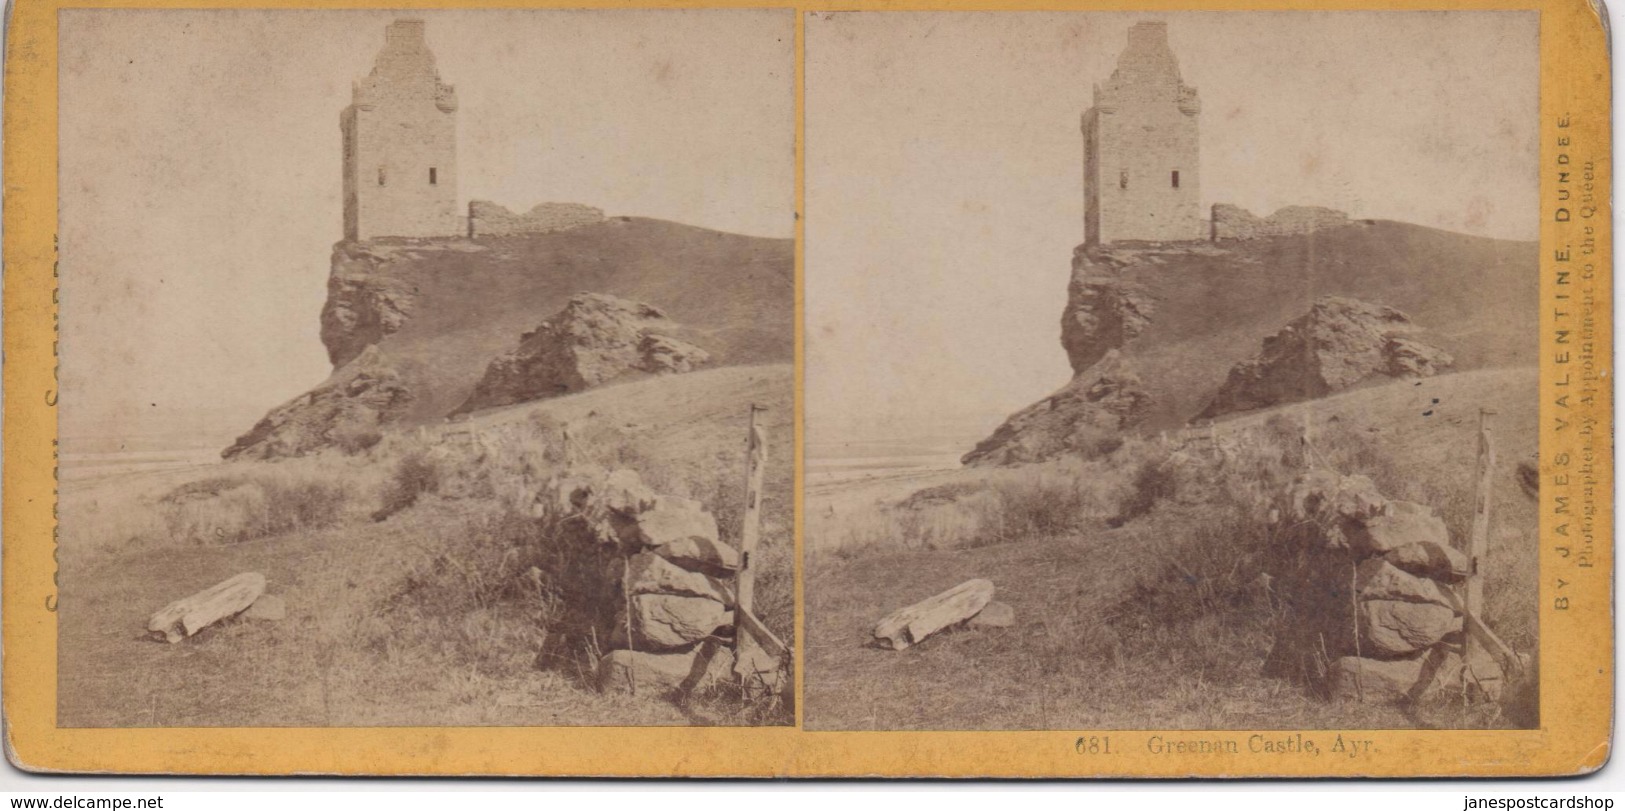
column 1122, row 180
column 1176, row 178
column 380, row 175
column 434, row 181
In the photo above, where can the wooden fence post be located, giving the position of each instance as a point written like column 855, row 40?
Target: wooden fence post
column 1480, row 541
column 752, row 664
column 755, row 464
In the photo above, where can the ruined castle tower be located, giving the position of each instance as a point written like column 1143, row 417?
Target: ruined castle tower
column 400, row 144
column 1140, row 165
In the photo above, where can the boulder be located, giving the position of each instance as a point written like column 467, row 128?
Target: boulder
column 994, row 615
column 681, row 672
column 1338, row 343
column 1395, row 628
column 1401, row 523
column 1392, row 681
column 1329, row 498
column 700, row 554
column 594, row 340
column 648, row 573
column 1377, row 579
column 571, row 491
column 624, row 492
column 675, row 621
column 667, row 524
column 1430, row 559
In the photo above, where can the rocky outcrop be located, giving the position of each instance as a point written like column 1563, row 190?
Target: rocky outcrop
column 491, row 220
column 1104, row 310
column 594, row 340
column 1235, row 222
column 365, row 303
column 348, row 412
column 1338, row 343
column 440, row 309
column 1088, row 416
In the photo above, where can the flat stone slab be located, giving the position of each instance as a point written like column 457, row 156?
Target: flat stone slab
column 911, row 625
column 188, row 615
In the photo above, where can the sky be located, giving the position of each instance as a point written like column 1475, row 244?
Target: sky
column 944, row 174
column 200, row 172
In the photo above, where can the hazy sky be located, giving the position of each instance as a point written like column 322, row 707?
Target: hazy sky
column 200, row 171
column 944, row 172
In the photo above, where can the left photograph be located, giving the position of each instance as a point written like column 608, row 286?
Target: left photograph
column 428, row 369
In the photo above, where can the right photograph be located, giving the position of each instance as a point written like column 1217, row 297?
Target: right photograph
column 1171, row 371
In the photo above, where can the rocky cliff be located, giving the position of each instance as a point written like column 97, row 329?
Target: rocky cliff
column 595, row 339
column 418, row 321
column 1152, row 332
column 1340, row 342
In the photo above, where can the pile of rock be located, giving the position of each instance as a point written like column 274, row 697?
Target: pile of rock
column 1366, row 586
column 657, row 556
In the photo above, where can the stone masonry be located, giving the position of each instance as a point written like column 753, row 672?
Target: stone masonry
column 1140, row 151
column 400, row 144
column 491, row 220
column 1235, row 222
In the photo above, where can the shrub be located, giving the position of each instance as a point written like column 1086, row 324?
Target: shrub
column 415, row 474
column 233, row 509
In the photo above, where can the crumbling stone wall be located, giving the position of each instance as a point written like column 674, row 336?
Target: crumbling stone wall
column 1141, row 165
column 400, row 144
column 1235, row 222
column 491, row 220
column 1365, row 585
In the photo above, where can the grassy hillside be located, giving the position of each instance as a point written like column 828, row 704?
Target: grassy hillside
column 734, row 295
column 419, row 618
column 1214, row 306
column 1132, row 591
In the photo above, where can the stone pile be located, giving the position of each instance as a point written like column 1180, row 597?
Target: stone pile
column 1366, row 587
column 657, row 557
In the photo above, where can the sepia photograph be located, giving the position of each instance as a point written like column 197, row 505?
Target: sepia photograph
column 426, row 369
column 1172, row 371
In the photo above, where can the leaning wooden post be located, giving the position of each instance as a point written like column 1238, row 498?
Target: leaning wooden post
column 755, row 464
column 1474, row 602
column 753, row 666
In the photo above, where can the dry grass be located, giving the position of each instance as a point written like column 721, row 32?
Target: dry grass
column 1139, row 606
column 404, row 566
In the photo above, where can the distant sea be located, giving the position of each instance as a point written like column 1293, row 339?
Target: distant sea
column 855, row 457
column 82, row 459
